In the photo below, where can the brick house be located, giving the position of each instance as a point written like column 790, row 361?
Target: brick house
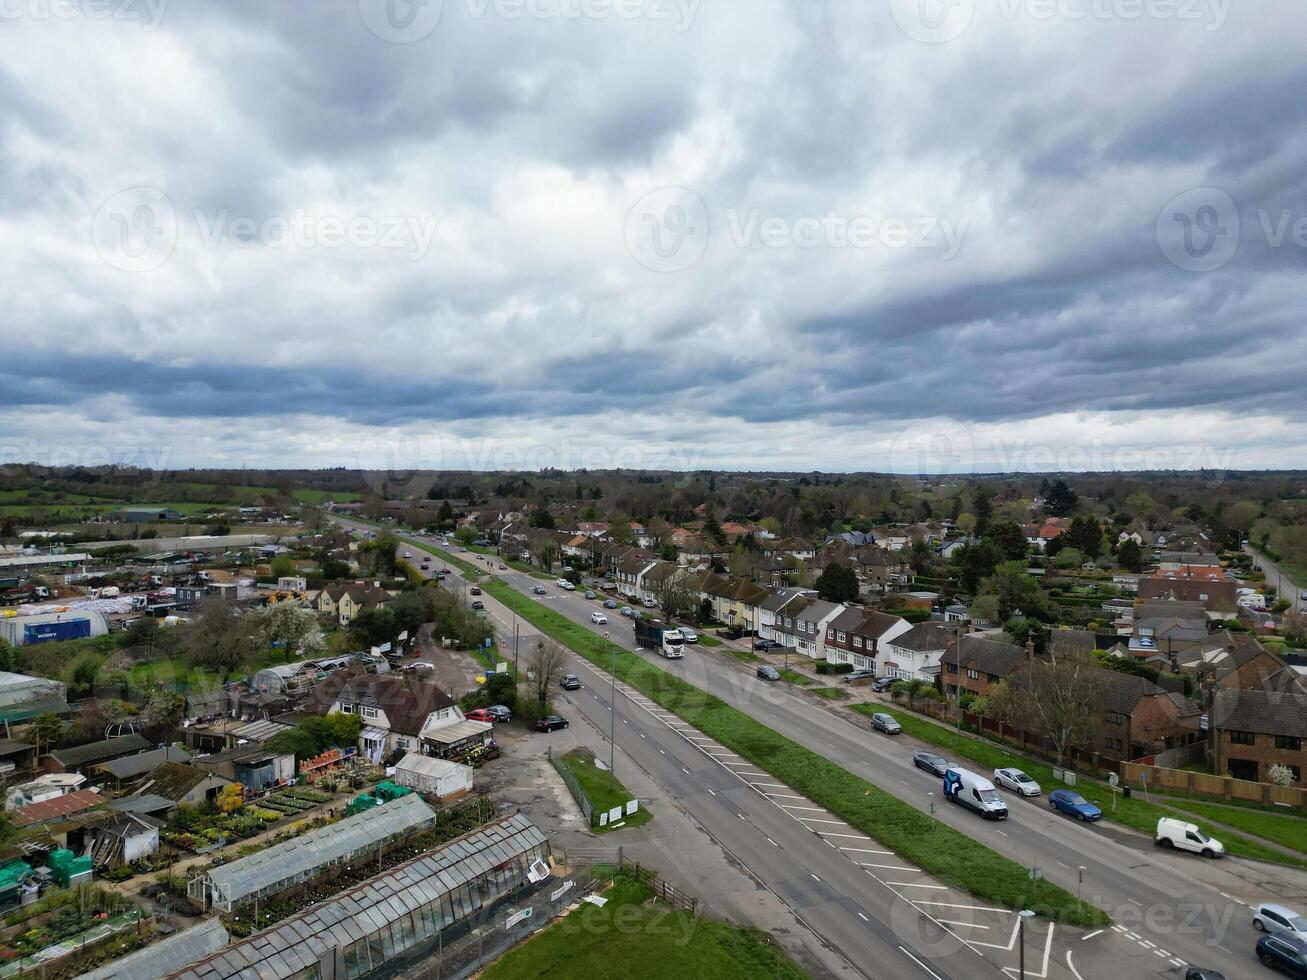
column 1251, row 730
column 983, row 663
column 855, row 635
column 1214, row 591
column 1139, row 718
column 1247, row 665
column 343, row 601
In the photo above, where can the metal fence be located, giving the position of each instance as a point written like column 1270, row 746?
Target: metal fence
column 574, row 784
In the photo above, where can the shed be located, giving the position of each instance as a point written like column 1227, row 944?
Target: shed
column 434, row 777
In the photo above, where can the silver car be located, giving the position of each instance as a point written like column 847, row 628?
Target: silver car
column 1017, row 781
column 1280, row 920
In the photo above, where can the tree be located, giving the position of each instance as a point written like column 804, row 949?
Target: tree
column 543, row 671
column 1060, row 697
column 377, row 557
column 984, row 508
column 744, row 562
column 1280, row 774
column 1129, row 555
column 1013, row 589
column 45, row 729
column 446, row 514
column 976, row 561
column 712, row 530
column 1086, row 534
column 293, row 628
column 344, row 728
column 373, row 627
column 1060, row 500
column 619, row 529
column 314, row 517
column 838, row 583
column 218, row 638
column 675, row 594
column 333, row 568
column 465, row 535
column 1068, row 557
column 1240, row 515
column 283, row 566
column 293, row 741
column 1009, row 540
column 543, row 518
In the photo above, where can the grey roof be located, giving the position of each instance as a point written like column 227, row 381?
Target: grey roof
column 990, row 656
column 1263, row 712
column 9, row 746
column 296, row 858
column 817, row 610
column 1173, row 628
column 260, row 731
column 130, row 766
column 782, row 596
column 924, row 636
column 165, row 956
column 109, row 748
column 298, row 942
column 144, row 803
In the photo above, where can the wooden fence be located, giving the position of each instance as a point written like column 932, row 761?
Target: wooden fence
column 663, row 889
column 1162, row 779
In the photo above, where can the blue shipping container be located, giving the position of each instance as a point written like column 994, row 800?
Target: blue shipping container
column 70, row 629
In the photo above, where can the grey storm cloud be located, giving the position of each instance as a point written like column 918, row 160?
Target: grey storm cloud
column 510, row 158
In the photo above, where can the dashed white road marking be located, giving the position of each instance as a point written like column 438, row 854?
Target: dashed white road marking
column 1096, row 932
column 913, row 884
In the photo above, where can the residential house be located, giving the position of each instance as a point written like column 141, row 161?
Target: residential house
column 699, row 552
column 856, row 634
column 891, row 538
column 915, row 653
column 981, row 663
column 770, row 611
column 735, row 601
column 1192, row 583
column 342, row 601
column 653, row 578
column 631, row 571
column 1141, row 719
column 798, row 547
column 1169, row 637
column 876, row 569
column 810, row 624
column 1253, row 729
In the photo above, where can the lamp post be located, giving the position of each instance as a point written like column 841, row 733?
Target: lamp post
column 957, row 642
column 612, row 710
column 1080, row 885
column 1023, row 915
column 932, row 811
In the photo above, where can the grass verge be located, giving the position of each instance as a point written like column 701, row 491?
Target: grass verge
column 1282, row 828
column 794, row 677
column 1136, row 813
column 633, row 935
column 603, row 794
column 709, row 641
column 947, row 854
column 829, row 693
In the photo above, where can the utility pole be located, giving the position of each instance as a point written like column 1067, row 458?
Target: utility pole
column 1023, row 915
column 612, row 708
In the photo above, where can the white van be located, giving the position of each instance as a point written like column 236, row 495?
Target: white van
column 1187, row 837
column 974, row 791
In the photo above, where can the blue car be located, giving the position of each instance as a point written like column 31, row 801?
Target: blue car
column 1283, row 954
column 1073, row 804
column 610, row 604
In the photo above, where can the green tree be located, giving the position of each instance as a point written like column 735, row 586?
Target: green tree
column 344, row 729
column 712, row 530
column 1009, row 540
column 1129, row 556
column 1060, row 500
column 619, row 529
column 1086, row 535
column 45, row 730
column 465, row 535
column 984, row 508
column 838, row 583
column 373, row 627
column 218, row 638
column 543, row 518
column 294, row 741
column 283, row 566
column 1014, row 590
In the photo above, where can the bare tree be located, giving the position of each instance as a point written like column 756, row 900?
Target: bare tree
column 676, row 594
column 545, row 668
column 1060, row 697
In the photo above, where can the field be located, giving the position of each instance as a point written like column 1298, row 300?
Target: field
column 634, row 936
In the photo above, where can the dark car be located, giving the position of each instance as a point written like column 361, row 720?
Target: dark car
column 768, row 673
column 853, row 676
column 538, row 589
column 551, row 723
column 934, row 764
column 474, row 590
column 1073, row 804
column 1199, row 973
column 500, row 713
column 882, row 685
column 761, row 644
column 1289, row 956
column 589, row 594
column 570, row 682
column 610, row 603
column 478, row 604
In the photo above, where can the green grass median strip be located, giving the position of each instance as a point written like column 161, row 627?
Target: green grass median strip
column 1136, row 812
column 603, row 793
column 1282, row 828
column 947, row 854
column 829, row 693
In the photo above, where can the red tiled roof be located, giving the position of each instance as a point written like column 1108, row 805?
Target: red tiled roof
column 60, row 806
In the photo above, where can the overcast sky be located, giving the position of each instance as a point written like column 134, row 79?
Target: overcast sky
column 1000, row 234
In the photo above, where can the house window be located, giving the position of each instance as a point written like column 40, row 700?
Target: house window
column 347, row 708
column 1115, row 744
column 1296, row 772
column 993, row 678
column 369, row 712
column 839, row 636
column 1115, row 718
column 857, row 642
column 830, row 634
column 952, row 668
column 973, row 674
column 401, row 743
column 1243, row 738
column 1291, row 742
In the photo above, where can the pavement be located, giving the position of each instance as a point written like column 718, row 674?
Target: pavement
column 1169, row 910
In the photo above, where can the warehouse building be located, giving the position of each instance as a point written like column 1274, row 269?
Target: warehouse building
column 391, row 921
column 72, row 625
column 304, row 858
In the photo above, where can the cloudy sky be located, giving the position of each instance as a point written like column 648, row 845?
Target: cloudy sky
column 904, row 235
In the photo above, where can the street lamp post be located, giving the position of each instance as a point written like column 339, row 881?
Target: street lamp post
column 932, row 811
column 1080, row 885
column 1023, row 915
column 957, row 642
column 612, row 709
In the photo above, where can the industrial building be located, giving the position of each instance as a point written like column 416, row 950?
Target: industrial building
column 74, row 624
column 394, row 919
column 302, row 859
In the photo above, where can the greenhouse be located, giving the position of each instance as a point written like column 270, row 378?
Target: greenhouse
column 396, row 916
column 304, row 858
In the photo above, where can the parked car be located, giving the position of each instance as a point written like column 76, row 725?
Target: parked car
column 610, row 603
column 975, row 792
column 551, row 723
column 882, row 722
column 854, row 676
column 1186, row 837
column 689, row 635
column 1202, row 973
column 538, row 589
column 648, row 603
column 570, row 682
column 1280, row 920
column 761, row 644
column 445, row 571
column 934, row 764
column 474, row 590
column 1017, row 781
column 408, row 554
column 479, row 714
column 500, row 713
column 768, row 673
column 626, row 611
column 598, row 617
column 503, row 568
column 882, row 684
column 1074, row 805
column 478, row 604
column 1281, row 953
column 589, row 593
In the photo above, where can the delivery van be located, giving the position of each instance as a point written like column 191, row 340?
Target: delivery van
column 974, row 791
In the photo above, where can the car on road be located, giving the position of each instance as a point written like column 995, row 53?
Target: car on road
column 934, row 764
column 689, row 635
column 883, row 684
column 761, row 644
column 568, row 587
column 445, row 571
column 538, row 589
column 408, row 554
column 1202, row 973
column 1280, row 920
column 478, row 604
column 1186, row 837
column 503, row 568
column 562, row 583
column 853, row 676
column 1288, row 956
column 474, row 590
column 1073, row 804
column 1017, row 781
column 648, row 603
column 882, row 722
column 975, row 792
column 610, row 604
column 598, row 617
column 589, row 594
column 551, row 723
column 500, row 713
column 768, row 673
column 479, row 714
column 626, row 611
column 570, row 682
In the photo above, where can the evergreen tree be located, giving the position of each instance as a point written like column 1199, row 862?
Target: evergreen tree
column 838, row 583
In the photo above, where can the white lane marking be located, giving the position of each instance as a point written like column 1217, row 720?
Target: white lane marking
column 967, row 925
column 904, row 951
column 740, row 815
column 1147, row 945
column 1176, row 961
column 772, row 842
column 863, row 917
column 861, row 850
column 854, row 837
column 684, row 770
column 1004, row 833
column 954, row 905
column 642, row 735
column 1096, row 932
column 913, row 884
column 783, row 796
column 814, row 877
column 1162, row 953
column 791, row 806
column 778, row 785
column 815, row 820
column 1117, row 929
column 891, row 867
column 711, row 793
column 1072, row 967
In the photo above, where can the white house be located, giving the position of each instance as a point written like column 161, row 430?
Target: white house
column 915, row 655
